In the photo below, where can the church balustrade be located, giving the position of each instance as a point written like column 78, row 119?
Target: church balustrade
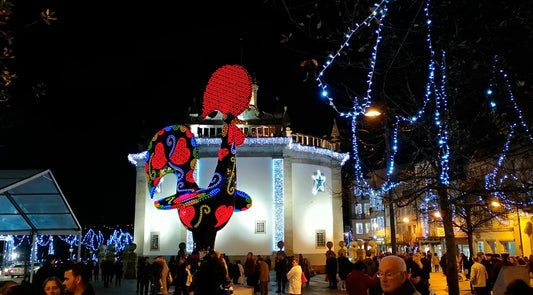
column 213, row 131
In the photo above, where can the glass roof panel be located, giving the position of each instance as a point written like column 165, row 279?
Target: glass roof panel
column 42, row 185
column 14, row 222
column 6, row 207
column 53, row 221
column 41, row 204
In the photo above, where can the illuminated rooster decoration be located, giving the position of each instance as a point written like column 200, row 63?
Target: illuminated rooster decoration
column 173, row 149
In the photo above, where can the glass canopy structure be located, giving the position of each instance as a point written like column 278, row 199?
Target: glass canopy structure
column 31, row 203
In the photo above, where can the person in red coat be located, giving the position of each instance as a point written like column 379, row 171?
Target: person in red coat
column 358, row 282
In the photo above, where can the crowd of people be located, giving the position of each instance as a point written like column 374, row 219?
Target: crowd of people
column 56, row 277
column 213, row 273
column 409, row 273
column 482, row 270
column 52, row 279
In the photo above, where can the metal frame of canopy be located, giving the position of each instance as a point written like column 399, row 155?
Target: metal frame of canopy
column 31, row 203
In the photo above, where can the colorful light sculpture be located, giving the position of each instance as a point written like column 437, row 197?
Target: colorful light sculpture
column 173, row 149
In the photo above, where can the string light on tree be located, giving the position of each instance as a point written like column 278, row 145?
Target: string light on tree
column 120, row 240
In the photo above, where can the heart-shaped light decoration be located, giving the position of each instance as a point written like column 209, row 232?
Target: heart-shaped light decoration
column 186, row 215
column 236, row 135
column 223, row 214
column 159, row 160
column 222, row 153
column 180, row 153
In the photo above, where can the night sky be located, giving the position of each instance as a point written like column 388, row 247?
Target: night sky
column 101, row 80
column 100, row 77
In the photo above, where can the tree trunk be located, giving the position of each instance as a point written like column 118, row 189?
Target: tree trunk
column 470, row 234
column 449, row 235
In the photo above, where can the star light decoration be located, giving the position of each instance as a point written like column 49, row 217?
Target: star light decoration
column 319, row 180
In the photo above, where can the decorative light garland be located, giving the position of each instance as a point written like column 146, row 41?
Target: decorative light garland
column 363, row 187
column 442, row 108
column 72, row 240
column 21, row 239
column 120, row 240
column 509, row 92
column 492, row 182
column 433, row 91
column 139, row 158
column 278, row 196
column 43, row 240
column 490, row 179
column 379, row 9
column 91, row 240
column 429, row 205
column 436, row 91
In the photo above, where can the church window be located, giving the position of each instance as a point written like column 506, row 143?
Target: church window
column 359, row 228
column 320, row 238
column 260, row 227
column 358, row 208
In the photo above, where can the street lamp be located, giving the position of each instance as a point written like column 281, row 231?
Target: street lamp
column 521, row 247
column 372, row 113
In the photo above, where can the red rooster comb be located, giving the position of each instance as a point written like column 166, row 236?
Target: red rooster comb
column 229, row 91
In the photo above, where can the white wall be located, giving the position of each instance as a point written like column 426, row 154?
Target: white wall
column 166, row 222
column 255, row 177
column 311, row 212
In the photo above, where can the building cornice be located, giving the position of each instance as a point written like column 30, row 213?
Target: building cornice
column 210, row 145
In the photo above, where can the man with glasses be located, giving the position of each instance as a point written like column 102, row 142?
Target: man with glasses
column 393, row 276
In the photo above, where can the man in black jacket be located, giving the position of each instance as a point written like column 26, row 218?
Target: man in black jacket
column 281, row 272
column 49, row 269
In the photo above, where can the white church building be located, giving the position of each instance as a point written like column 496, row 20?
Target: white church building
column 294, row 181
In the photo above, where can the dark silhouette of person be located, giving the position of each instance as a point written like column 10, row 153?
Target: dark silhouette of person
column 499, row 264
column 143, row 275
column 211, row 275
column 444, row 264
column 345, row 267
column 118, row 269
column 90, row 267
column 49, row 269
column 107, row 272
column 518, row 287
column 489, row 262
column 251, row 272
column 281, row 272
column 331, row 269
column 183, row 279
